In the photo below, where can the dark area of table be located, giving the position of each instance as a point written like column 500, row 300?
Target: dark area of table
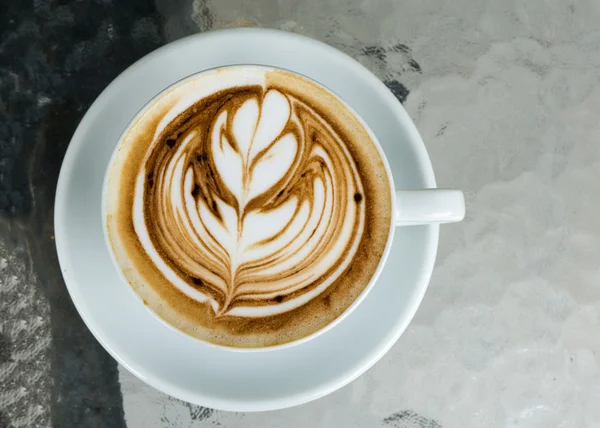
column 55, row 59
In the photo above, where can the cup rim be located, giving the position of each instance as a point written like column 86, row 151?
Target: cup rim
column 355, row 303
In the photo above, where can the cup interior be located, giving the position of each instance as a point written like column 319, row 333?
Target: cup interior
column 381, row 152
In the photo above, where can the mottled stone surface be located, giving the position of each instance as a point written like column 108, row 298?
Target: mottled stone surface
column 55, row 58
column 507, row 97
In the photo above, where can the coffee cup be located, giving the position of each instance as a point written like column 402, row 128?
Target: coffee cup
column 250, row 207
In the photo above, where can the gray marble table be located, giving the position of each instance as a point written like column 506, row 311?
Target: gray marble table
column 507, row 97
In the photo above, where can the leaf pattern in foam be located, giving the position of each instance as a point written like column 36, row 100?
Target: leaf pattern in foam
column 244, row 126
column 272, row 166
column 227, row 160
column 274, row 116
column 256, row 160
column 259, row 157
column 253, row 203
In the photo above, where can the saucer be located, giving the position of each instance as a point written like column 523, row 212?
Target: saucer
column 188, row 369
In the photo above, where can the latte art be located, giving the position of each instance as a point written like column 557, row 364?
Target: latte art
column 251, row 202
column 247, row 206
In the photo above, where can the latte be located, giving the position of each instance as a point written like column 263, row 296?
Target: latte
column 247, row 206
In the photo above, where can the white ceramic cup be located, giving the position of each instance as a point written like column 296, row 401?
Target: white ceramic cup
column 413, row 207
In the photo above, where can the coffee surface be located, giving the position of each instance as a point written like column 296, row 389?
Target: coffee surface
column 248, row 207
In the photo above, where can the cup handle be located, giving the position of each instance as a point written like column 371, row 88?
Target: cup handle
column 429, row 206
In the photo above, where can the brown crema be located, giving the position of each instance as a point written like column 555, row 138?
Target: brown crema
column 248, row 242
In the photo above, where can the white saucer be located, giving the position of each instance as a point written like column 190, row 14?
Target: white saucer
column 187, row 369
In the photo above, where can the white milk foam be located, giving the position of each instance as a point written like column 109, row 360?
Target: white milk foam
column 260, row 157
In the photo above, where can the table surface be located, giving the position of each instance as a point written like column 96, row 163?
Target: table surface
column 506, row 95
